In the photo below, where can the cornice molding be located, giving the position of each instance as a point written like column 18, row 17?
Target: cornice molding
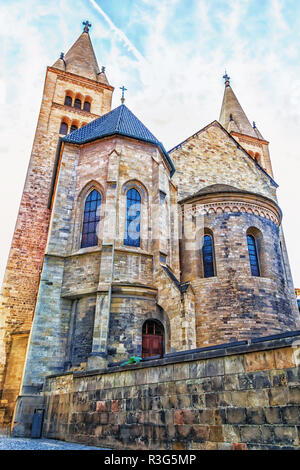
column 77, row 79
column 235, row 204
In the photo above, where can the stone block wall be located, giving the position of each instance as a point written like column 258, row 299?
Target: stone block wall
column 247, row 394
column 210, row 157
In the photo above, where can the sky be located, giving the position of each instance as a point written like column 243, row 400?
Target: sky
column 171, row 56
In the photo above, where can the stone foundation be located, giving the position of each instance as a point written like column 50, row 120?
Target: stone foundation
column 210, row 398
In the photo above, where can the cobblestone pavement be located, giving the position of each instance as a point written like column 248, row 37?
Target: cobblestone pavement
column 9, row 443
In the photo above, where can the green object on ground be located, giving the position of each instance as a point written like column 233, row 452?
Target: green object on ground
column 132, row 360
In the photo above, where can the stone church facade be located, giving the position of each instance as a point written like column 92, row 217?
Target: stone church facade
column 124, row 249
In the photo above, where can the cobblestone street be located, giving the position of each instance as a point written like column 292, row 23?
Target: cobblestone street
column 8, row 443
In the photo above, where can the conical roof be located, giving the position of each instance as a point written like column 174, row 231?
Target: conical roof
column 81, row 60
column 232, row 116
column 119, row 121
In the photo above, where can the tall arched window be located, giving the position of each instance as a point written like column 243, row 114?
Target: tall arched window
column 68, row 100
column 208, row 256
column 91, row 219
column 77, row 103
column 63, row 128
column 133, row 213
column 73, row 128
column 252, row 249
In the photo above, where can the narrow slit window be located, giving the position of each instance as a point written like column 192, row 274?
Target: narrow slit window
column 68, row 101
column 208, row 256
column 254, row 264
column 87, row 106
column 63, row 128
column 77, row 103
column 91, row 220
column 133, row 212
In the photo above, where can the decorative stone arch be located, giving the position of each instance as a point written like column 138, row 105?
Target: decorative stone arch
column 79, row 214
column 70, row 94
column 64, row 130
column 144, row 216
column 136, row 184
column 78, row 97
column 74, row 123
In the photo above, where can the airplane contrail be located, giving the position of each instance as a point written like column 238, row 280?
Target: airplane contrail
column 119, row 33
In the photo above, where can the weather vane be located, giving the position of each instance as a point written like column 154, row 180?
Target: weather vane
column 123, row 91
column 86, row 25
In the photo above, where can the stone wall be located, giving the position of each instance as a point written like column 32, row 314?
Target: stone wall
column 210, row 157
column 234, row 305
column 205, row 399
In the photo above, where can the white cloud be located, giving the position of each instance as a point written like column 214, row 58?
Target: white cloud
column 174, row 81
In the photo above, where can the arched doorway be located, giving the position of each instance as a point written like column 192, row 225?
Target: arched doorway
column 152, row 338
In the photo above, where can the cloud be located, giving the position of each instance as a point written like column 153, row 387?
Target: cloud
column 171, row 56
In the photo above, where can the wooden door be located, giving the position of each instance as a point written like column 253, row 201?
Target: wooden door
column 153, row 339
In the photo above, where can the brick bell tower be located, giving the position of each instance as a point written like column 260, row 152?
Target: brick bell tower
column 76, row 92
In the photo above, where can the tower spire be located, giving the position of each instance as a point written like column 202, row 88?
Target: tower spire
column 232, row 115
column 235, row 121
column 81, row 59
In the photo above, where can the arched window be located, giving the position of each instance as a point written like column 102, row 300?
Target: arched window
column 68, row 100
column 133, row 212
column 253, row 257
column 63, row 128
column 152, row 338
column 208, row 256
column 77, row 103
column 73, row 128
column 87, row 106
column 91, row 219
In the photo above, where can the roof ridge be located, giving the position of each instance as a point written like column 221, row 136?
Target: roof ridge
column 119, row 121
column 120, row 116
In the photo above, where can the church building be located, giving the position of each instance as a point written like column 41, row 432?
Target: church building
column 122, row 248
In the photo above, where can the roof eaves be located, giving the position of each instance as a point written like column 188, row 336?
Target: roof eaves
column 157, row 143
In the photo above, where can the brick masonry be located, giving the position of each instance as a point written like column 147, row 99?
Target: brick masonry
column 240, row 396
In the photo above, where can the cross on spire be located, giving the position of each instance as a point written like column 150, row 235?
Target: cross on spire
column 227, row 79
column 123, row 91
column 86, row 25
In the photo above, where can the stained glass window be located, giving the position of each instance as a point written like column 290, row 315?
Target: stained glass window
column 208, row 256
column 253, row 256
column 133, row 212
column 91, row 219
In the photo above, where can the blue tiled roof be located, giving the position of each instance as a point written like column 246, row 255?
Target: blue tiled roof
column 119, row 121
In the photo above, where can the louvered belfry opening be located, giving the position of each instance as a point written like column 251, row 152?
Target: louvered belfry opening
column 152, row 339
